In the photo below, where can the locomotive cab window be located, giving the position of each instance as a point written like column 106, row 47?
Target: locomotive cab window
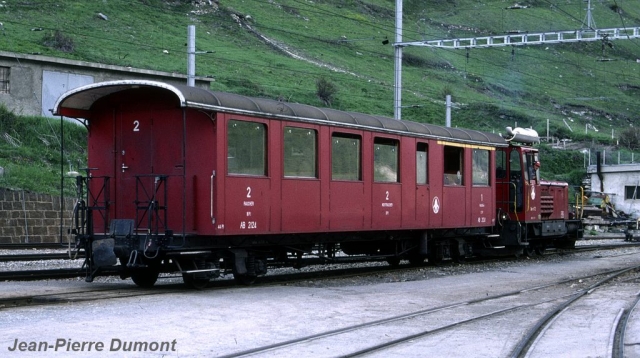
column 531, row 162
column 515, row 166
column 345, row 157
column 421, row 164
column 480, row 164
column 453, row 165
column 246, row 148
column 300, row 153
column 501, row 164
column 385, row 160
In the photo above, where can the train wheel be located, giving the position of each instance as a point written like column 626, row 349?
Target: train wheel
column 393, row 261
column 245, row 279
column 529, row 251
column 435, row 255
column 457, row 253
column 145, row 277
column 416, row 260
column 518, row 253
column 197, row 280
column 540, row 250
column 193, row 281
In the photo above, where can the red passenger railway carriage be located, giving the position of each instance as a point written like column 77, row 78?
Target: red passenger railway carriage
column 182, row 179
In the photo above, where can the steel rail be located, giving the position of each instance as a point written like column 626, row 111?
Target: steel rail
column 618, row 346
column 41, row 256
column 527, row 342
column 414, row 314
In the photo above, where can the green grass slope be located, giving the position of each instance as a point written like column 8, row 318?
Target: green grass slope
column 30, row 154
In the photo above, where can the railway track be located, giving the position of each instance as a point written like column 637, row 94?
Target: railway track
column 605, row 341
column 396, row 334
column 63, row 273
column 35, row 246
column 41, row 256
column 402, row 334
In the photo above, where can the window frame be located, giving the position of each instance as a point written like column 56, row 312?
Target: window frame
column 386, row 143
column 458, row 178
column 632, row 188
column 316, row 167
column 351, row 136
column 265, row 146
column 487, row 170
column 5, row 79
column 426, row 163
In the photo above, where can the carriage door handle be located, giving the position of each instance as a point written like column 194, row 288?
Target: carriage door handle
column 124, row 167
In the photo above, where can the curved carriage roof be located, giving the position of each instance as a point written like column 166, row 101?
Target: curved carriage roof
column 78, row 102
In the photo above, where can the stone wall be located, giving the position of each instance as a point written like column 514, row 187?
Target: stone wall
column 27, row 217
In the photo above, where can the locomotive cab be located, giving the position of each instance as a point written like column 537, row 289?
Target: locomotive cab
column 532, row 212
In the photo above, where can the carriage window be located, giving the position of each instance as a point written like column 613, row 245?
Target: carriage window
column 501, row 164
column 385, row 160
column 246, row 148
column 480, row 167
column 345, row 157
column 421, row 164
column 453, row 165
column 300, row 152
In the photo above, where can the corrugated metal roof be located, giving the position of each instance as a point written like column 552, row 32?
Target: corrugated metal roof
column 82, row 98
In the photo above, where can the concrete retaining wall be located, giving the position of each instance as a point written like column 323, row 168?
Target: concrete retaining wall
column 27, row 217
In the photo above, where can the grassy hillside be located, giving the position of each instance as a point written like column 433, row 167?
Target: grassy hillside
column 30, row 152
column 282, row 48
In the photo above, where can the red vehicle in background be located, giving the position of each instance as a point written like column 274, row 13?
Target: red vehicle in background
column 182, row 179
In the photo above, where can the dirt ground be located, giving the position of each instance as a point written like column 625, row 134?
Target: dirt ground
column 209, row 323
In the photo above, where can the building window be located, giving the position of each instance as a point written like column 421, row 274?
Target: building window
column 300, row 153
column 631, row 192
column 345, row 157
column 453, row 165
column 4, row 79
column 246, row 148
column 385, row 160
column 422, row 164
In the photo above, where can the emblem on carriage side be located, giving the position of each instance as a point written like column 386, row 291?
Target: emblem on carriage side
column 435, row 205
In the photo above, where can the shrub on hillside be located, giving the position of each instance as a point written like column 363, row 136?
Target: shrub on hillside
column 58, row 41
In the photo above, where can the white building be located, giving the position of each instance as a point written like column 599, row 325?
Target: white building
column 621, row 182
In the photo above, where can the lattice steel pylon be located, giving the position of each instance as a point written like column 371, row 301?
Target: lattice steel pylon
column 588, row 20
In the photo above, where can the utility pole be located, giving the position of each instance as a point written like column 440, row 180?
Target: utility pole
column 191, row 56
column 397, row 98
column 447, row 121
